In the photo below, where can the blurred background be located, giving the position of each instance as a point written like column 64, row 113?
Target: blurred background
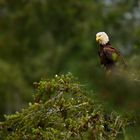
column 41, row 38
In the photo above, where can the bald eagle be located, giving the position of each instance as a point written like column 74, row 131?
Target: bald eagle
column 109, row 56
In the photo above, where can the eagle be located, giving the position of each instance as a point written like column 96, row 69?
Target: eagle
column 109, row 56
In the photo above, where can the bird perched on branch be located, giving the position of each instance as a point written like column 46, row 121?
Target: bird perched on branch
column 109, row 56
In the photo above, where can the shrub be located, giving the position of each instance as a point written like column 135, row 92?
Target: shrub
column 61, row 110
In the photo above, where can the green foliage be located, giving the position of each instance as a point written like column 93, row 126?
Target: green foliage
column 48, row 37
column 62, row 111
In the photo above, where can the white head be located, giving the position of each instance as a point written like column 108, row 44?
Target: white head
column 102, row 38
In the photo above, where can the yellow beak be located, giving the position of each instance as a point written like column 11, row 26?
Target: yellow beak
column 97, row 38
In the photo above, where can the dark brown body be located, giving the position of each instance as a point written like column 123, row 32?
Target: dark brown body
column 109, row 56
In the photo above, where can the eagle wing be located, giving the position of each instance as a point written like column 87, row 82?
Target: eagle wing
column 114, row 55
column 111, row 54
